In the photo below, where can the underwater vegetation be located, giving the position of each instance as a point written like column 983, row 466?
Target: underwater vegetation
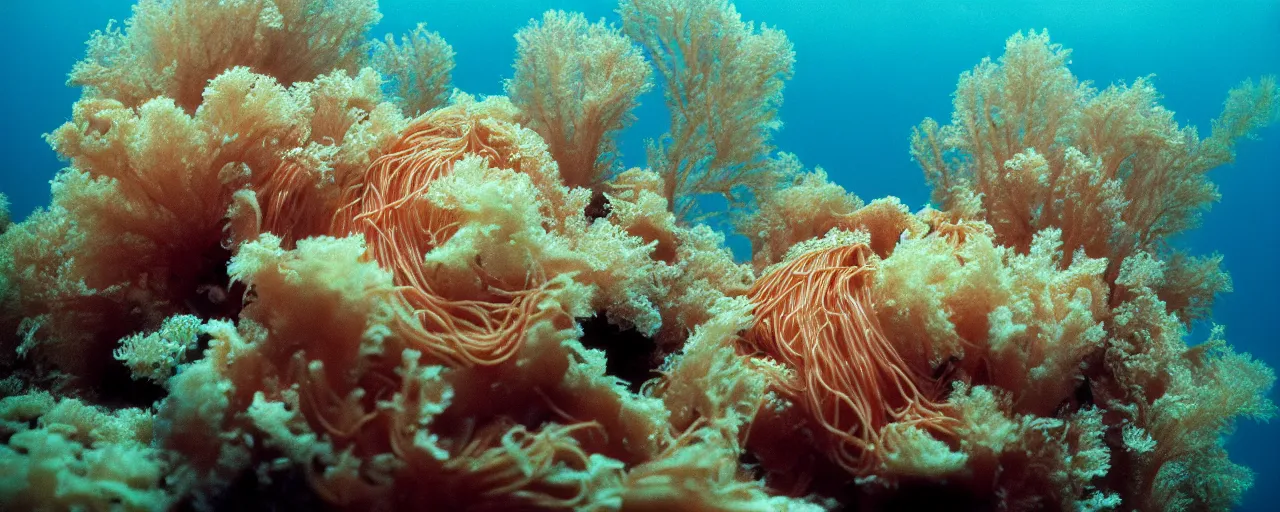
column 289, row 266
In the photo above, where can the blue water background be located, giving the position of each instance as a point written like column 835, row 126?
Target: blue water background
column 866, row 72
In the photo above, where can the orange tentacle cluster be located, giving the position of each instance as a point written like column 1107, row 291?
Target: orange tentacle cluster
column 953, row 227
column 291, row 201
column 815, row 315
column 389, row 206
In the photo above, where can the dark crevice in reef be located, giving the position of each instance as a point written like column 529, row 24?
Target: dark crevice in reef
column 751, row 463
column 915, row 495
column 108, row 381
column 118, row 389
column 288, row 489
column 598, row 208
column 1082, row 396
column 212, row 295
column 208, row 295
column 630, row 355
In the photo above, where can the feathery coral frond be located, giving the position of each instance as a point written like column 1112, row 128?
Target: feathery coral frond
column 419, row 68
column 576, row 84
column 172, row 48
column 1037, row 149
column 722, row 79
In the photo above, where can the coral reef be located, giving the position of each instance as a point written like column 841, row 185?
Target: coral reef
column 290, row 266
column 576, row 84
column 722, row 79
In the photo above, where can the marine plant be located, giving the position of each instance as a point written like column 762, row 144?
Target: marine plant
column 288, row 265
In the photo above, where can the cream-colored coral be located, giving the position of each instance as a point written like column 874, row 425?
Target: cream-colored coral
column 1110, row 169
column 156, row 355
column 395, row 308
column 722, row 79
column 419, row 67
column 1177, row 402
column 79, row 456
column 1070, row 454
column 576, row 84
column 172, row 48
column 1016, row 321
column 143, row 205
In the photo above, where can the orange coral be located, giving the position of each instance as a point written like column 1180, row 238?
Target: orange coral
column 141, row 210
column 349, row 125
column 1011, row 349
column 419, row 67
column 390, row 208
column 815, row 314
column 368, row 419
column 807, row 206
column 955, row 229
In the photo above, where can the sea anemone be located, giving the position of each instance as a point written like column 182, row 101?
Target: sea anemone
column 391, row 208
column 815, row 314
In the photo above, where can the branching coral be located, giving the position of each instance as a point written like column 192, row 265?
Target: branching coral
column 1110, row 177
column 349, row 126
column 723, row 80
column 576, row 84
column 313, row 300
column 65, row 454
column 155, row 355
column 347, row 394
column 419, row 67
column 689, row 269
column 143, row 205
column 1033, row 462
column 141, row 210
column 994, row 316
column 714, row 397
column 1173, row 403
column 806, row 205
column 1034, row 148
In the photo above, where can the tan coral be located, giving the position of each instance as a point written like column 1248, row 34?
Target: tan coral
column 723, row 81
column 1112, row 170
column 172, row 48
column 576, row 84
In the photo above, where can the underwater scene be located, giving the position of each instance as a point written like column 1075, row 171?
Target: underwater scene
column 635, row 255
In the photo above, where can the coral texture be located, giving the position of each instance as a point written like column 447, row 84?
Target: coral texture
column 290, row 267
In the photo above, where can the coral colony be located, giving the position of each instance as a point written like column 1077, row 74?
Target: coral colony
column 289, row 266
